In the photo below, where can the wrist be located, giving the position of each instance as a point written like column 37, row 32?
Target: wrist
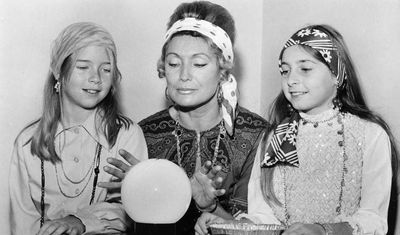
column 210, row 209
column 79, row 221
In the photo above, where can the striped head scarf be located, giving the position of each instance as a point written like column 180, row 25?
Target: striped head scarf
column 317, row 39
column 75, row 37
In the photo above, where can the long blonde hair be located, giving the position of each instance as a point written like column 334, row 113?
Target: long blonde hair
column 63, row 57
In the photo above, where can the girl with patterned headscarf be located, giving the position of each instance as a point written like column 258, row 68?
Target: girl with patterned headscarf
column 320, row 168
column 319, row 171
column 58, row 159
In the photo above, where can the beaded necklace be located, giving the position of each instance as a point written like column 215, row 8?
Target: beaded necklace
column 342, row 144
column 178, row 133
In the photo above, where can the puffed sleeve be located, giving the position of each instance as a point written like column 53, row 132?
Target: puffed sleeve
column 371, row 218
column 24, row 216
column 259, row 211
column 109, row 216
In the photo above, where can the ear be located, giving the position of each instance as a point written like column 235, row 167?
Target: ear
column 334, row 79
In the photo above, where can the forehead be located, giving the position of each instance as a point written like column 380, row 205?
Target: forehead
column 93, row 52
column 297, row 53
column 186, row 45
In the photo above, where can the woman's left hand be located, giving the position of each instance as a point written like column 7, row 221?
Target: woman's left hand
column 304, row 229
column 205, row 184
column 68, row 225
column 204, row 221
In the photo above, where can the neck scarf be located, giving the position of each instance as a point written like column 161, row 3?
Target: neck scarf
column 222, row 40
column 282, row 147
column 316, row 38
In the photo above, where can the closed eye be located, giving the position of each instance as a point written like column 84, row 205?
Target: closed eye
column 173, row 65
column 200, row 65
column 82, row 67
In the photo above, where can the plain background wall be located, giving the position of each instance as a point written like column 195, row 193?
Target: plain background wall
column 371, row 29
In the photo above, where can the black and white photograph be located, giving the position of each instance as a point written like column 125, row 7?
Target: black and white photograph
column 196, row 117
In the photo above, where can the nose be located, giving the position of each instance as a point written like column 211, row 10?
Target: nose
column 185, row 73
column 95, row 76
column 292, row 79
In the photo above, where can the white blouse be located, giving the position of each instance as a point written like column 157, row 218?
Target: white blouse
column 69, row 183
column 312, row 190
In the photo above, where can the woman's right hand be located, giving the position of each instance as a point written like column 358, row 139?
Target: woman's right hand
column 204, row 221
column 119, row 170
column 205, row 184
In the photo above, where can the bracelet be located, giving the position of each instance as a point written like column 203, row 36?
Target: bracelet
column 327, row 228
column 206, row 209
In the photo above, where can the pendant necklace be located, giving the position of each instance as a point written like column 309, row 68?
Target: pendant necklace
column 178, row 133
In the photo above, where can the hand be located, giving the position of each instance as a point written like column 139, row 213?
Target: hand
column 120, row 171
column 204, row 221
column 68, row 225
column 204, row 184
column 304, row 229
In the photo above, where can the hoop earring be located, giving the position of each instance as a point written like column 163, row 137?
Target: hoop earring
column 57, row 87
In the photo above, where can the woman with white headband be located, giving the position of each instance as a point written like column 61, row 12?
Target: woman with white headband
column 204, row 122
column 58, row 159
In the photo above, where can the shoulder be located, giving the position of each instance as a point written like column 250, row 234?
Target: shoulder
column 156, row 117
column 368, row 127
column 367, row 131
column 160, row 120
column 26, row 134
column 128, row 127
column 249, row 119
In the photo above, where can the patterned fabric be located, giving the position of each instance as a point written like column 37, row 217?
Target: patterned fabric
column 75, row 37
column 313, row 188
column 282, row 147
column 215, row 33
column 236, row 154
column 314, row 37
column 229, row 103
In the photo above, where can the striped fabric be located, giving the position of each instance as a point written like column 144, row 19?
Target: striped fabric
column 282, row 146
column 316, row 38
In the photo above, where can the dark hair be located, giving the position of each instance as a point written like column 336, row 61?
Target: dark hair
column 349, row 94
column 202, row 10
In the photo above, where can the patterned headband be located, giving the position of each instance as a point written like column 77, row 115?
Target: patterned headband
column 75, row 37
column 322, row 42
column 215, row 33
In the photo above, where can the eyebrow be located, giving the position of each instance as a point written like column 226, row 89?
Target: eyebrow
column 194, row 55
column 305, row 61
column 89, row 61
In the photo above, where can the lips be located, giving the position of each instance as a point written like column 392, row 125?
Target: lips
column 297, row 93
column 92, row 91
column 185, row 90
